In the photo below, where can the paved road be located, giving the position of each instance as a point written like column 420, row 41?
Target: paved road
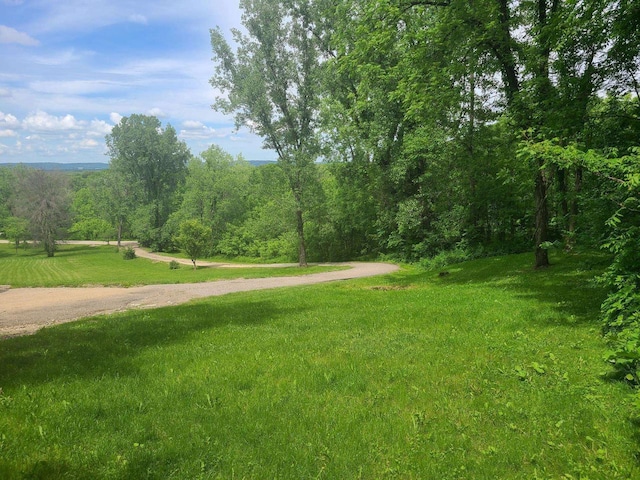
column 25, row 310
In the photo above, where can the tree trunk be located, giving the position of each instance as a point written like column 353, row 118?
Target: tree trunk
column 573, row 208
column 302, row 249
column 542, row 218
column 119, row 230
column 564, row 207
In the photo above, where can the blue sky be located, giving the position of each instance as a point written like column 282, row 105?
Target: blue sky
column 70, row 69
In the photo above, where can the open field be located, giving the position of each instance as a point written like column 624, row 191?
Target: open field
column 83, row 265
column 492, row 371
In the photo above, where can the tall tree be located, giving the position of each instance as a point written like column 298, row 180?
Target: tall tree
column 6, row 180
column 42, row 198
column 153, row 162
column 193, row 239
column 271, row 84
column 114, row 199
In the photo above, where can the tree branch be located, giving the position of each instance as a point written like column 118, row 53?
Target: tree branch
column 430, row 3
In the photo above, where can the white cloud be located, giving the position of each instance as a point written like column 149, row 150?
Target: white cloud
column 44, row 122
column 157, row 112
column 99, row 128
column 5, row 92
column 115, row 117
column 88, row 143
column 8, row 121
column 11, row 35
column 8, row 133
column 191, row 124
column 193, row 129
column 137, row 18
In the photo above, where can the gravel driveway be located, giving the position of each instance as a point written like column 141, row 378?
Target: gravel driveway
column 25, row 310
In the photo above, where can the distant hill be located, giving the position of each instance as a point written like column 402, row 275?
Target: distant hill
column 88, row 167
column 258, row 163
column 65, row 167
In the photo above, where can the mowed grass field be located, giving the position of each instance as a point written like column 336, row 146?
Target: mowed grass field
column 493, row 371
column 83, row 265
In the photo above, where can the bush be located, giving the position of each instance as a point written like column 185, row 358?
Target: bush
column 621, row 309
column 173, row 265
column 129, row 253
column 448, row 257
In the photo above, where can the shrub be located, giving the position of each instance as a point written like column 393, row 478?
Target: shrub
column 445, row 258
column 129, row 253
column 173, row 265
column 621, row 309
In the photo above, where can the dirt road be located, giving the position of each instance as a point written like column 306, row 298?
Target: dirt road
column 25, row 310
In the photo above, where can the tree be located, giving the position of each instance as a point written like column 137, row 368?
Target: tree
column 267, row 229
column 87, row 223
column 194, row 239
column 6, row 181
column 216, row 191
column 271, row 84
column 42, row 198
column 152, row 162
column 16, row 230
column 114, row 200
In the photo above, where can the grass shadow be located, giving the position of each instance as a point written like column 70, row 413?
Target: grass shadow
column 108, row 345
column 568, row 285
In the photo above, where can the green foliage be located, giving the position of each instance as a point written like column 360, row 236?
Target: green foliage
column 218, row 192
column 87, row 222
column 42, row 198
column 6, row 191
column 272, row 82
column 459, row 254
column 174, row 265
column 194, row 239
column 92, row 229
column 16, row 229
column 150, row 165
column 621, row 309
column 129, row 253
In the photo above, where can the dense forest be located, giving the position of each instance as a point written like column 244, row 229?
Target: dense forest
column 407, row 129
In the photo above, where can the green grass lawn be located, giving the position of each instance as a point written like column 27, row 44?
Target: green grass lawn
column 81, row 265
column 494, row 371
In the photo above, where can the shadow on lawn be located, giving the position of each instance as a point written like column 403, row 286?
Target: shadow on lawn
column 109, row 345
column 568, row 285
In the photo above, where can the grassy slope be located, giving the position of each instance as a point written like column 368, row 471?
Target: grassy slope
column 78, row 265
column 493, row 371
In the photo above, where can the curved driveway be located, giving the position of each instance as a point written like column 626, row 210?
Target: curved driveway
column 25, row 310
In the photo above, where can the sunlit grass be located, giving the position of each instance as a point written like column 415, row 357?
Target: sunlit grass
column 79, row 265
column 493, row 371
